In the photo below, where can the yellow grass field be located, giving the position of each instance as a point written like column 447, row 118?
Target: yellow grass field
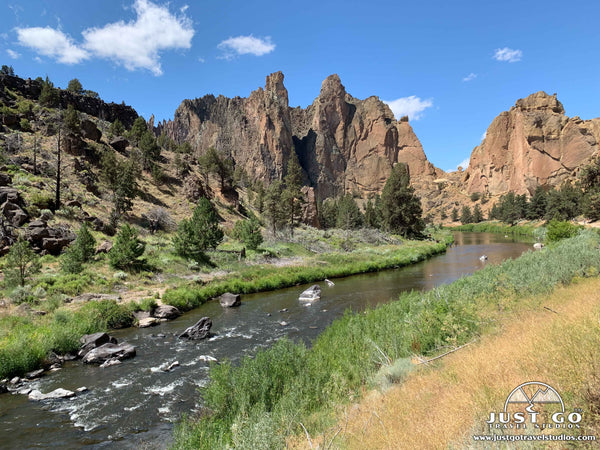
column 443, row 403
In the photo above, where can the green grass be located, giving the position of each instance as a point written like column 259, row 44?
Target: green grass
column 267, row 396
column 499, row 227
column 330, row 265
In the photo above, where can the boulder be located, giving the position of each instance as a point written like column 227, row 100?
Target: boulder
column 199, row 330
column 3, row 388
column 110, row 362
column 538, row 246
column 311, row 294
column 104, row 247
column 109, row 351
column 119, row 143
column 229, row 300
column 14, row 213
column 166, row 312
column 55, row 394
column 34, row 374
column 5, row 179
column 89, row 130
column 148, row 322
column 91, row 341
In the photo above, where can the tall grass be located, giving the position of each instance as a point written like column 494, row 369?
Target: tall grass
column 25, row 343
column 498, row 227
column 272, row 393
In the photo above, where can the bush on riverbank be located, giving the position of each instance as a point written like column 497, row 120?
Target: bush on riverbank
column 296, row 385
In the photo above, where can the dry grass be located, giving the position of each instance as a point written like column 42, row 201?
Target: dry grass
column 442, row 405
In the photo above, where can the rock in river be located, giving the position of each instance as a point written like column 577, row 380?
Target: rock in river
column 311, row 294
column 229, row 300
column 199, row 330
column 57, row 393
column 109, row 351
column 166, row 312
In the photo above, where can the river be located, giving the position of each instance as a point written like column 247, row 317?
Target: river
column 134, row 404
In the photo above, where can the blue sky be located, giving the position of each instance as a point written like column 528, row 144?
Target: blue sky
column 451, row 65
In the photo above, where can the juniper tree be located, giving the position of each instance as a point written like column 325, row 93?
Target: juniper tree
column 199, row 233
column 400, row 207
column 21, row 263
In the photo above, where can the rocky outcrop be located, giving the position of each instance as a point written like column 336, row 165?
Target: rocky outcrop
column 49, row 239
column 532, row 144
column 343, row 144
column 31, row 89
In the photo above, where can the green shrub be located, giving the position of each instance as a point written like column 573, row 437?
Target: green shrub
column 248, row 232
column 108, row 314
column 558, row 230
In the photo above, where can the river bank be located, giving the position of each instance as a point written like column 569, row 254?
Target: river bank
column 451, row 398
column 289, row 389
column 26, row 339
column 535, row 228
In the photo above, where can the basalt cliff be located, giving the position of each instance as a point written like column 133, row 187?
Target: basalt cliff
column 532, row 144
column 344, row 145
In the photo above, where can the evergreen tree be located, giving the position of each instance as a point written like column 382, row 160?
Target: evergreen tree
column 536, row 208
column 75, row 86
column 116, row 128
column 563, row 204
column 509, row 209
column 328, row 213
column 400, row 207
column 121, row 177
column 71, row 119
column 348, row 214
column 80, row 251
column 291, row 197
column 466, row 216
column 477, row 214
column 48, row 95
column 454, row 215
column 150, row 150
column 21, row 263
column 199, row 233
column 494, row 213
column 371, row 216
column 138, row 129
column 214, row 162
column 273, row 209
column 248, row 232
column 259, row 202
column 7, row 70
column 127, row 250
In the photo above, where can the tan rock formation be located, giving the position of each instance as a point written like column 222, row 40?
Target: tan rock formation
column 343, row 144
column 532, row 144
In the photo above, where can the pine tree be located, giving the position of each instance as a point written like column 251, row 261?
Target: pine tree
column 121, row 177
column 71, row 119
column 48, row 94
column 348, row 214
column 80, row 251
column 116, row 128
column 138, row 129
column 75, row 86
column 477, row 214
column 150, row 150
column 21, row 263
column 127, row 250
column 454, row 215
column 199, row 233
column 248, row 232
column 273, row 209
column 536, row 208
column 466, row 216
column 214, row 162
column 400, row 207
column 371, row 216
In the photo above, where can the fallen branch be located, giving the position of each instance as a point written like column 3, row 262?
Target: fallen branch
column 427, row 361
column 551, row 310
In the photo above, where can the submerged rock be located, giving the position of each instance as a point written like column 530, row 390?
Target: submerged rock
column 55, row 394
column 109, row 351
column 311, row 294
column 229, row 300
column 199, row 330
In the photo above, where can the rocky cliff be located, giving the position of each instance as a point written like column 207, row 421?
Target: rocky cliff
column 532, row 144
column 343, row 144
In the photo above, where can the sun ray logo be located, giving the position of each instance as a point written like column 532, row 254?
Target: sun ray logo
column 534, row 405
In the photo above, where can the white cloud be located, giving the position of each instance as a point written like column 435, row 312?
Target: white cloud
column 484, row 135
column 246, row 45
column 13, row 54
column 470, row 77
column 53, row 43
column 202, row 60
column 412, row 107
column 464, row 163
column 508, row 55
column 137, row 44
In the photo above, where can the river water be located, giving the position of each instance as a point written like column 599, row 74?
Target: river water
column 134, row 404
